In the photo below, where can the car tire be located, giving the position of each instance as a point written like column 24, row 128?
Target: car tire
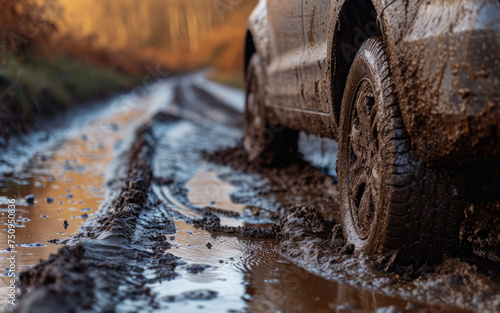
column 266, row 143
column 391, row 202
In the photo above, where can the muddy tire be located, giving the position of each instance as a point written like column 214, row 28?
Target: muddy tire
column 391, row 203
column 266, row 143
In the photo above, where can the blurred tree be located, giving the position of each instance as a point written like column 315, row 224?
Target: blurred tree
column 174, row 24
column 26, row 23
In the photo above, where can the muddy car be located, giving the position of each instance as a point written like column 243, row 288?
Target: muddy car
column 410, row 89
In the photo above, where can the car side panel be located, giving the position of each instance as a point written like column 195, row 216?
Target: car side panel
column 286, row 42
column 315, row 83
column 312, row 107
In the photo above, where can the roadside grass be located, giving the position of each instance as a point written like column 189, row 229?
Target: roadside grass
column 33, row 85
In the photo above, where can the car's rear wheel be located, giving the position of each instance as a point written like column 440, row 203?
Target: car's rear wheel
column 266, row 143
column 391, row 203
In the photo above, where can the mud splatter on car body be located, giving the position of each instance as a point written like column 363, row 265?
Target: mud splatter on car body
column 444, row 55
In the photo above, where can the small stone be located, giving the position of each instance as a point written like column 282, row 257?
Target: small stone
column 172, row 238
column 197, row 268
column 50, row 200
column 43, row 216
column 65, row 224
column 85, row 216
column 30, row 199
column 200, row 295
column 209, row 245
column 347, row 249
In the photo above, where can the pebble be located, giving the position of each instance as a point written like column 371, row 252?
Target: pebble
column 197, row 268
column 85, row 216
column 30, row 199
column 50, row 200
column 65, row 224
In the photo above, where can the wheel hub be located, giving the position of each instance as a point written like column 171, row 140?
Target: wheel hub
column 362, row 160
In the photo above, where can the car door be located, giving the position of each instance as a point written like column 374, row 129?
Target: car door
column 316, row 82
column 287, row 49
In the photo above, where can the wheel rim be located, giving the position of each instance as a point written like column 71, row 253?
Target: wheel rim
column 363, row 159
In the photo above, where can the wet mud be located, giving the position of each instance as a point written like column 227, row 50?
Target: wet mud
column 189, row 225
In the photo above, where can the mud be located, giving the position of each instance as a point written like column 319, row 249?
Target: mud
column 275, row 246
column 445, row 58
column 131, row 244
column 484, row 237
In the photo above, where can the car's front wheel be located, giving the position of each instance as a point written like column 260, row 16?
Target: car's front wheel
column 390, row 201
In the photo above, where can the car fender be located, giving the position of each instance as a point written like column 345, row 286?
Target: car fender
column 445, row 56
column 258, row 28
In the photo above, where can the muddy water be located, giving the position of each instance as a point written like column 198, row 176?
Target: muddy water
column 67, row 179
column 231, row 274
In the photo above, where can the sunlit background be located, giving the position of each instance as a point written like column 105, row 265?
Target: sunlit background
column 55, row 53
column 59, row 56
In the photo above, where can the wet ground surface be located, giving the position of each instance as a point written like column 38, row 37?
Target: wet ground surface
column 65, row 170
column 187, row 225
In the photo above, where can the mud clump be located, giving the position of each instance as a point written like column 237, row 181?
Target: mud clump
column 198, row 268
column 218, row 211
column 306, row 234
column 48, row 281
column 484, row 237
column 197, row 295
column 214, row 225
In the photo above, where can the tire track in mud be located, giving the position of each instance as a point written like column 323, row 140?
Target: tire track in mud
column 122, row 246
column 125, row 259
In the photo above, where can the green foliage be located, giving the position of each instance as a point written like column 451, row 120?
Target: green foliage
column 34, row 85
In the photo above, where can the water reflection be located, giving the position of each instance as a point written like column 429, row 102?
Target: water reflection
column 248, row 274
column 68, row 179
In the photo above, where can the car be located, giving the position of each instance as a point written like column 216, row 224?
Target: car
column 411, row 92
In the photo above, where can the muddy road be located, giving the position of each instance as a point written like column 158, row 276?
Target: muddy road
column 185, row 224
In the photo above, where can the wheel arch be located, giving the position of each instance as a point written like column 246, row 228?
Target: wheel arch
column 249, row 49
column 257, row 36
column 356, row 22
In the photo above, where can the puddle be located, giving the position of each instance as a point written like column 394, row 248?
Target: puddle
column 67, row 180
column 207, row 190
column 234, row 274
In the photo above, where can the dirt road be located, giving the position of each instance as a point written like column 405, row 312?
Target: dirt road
column 188, row 225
